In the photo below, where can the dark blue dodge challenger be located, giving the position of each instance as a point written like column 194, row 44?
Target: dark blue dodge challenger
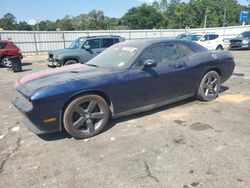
column 127, row 78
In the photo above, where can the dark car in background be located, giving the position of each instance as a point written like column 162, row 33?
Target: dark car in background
column 7, row 50
column 240, row 42
column 82, row 50
column 127, row 78
column 181, row 36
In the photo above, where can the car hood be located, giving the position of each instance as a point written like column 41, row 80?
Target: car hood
column 61, row 51
column 239, row 39
column 29, row 84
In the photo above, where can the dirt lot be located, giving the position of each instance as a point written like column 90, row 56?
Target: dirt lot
column 186, row 144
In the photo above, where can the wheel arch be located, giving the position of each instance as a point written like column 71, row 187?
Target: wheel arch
column 75, row 58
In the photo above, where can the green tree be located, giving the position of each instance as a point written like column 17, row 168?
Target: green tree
column 23, row 26
column 96, row 20
column 142, row 17
column 8, row 22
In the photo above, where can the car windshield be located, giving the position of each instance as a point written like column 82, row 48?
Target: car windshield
column 193, row 37
column 116, row 56
column 245, row 35
column 181, row 36
column 76, row 44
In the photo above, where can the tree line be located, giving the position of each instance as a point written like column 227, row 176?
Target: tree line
column 161, row 14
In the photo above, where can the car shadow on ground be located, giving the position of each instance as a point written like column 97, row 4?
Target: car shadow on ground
column 113, row 122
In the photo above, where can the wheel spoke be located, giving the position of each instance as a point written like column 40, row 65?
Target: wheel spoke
column 97, row 115
column 90, row 125
column 91, row 106
column 207, row 92
column 78, row 123
column 209, row 79
column 214, row 82
column 80, row 110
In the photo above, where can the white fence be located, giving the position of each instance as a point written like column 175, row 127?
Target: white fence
column 38, row 42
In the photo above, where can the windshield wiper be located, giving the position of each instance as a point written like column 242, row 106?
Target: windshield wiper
column 92, row 65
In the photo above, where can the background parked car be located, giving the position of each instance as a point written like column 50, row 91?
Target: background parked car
column 82, row 50
column 8, row 49
column 211, row 41
column 241, row 42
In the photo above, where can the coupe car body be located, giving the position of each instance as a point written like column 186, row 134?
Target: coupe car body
column 127, row 78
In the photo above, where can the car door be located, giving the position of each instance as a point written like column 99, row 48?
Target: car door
column 169, row 80
column 92, row 50
column 204, row 41
column 214, row 41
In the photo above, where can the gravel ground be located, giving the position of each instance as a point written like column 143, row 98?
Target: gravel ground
column 183, row 145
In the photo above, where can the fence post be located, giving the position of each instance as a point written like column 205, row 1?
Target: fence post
column 34, row 35
column 63, row 36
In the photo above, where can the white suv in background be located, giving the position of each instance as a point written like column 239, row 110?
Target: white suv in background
column 211, row 41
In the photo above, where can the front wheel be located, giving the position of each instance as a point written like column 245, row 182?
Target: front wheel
column 209, row 86
column 86, row 116
column 6, row 62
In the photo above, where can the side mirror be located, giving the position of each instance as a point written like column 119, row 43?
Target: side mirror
column 202, row 39
column 87, row 47
column 150, row 63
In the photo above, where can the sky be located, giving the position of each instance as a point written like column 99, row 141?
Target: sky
column 26, row 10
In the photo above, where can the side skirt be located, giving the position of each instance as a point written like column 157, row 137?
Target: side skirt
column 152, row 106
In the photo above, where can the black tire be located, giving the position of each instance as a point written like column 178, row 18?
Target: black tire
column 70, row 62
column 219, row 47
column 86, row 116
column 209, row 87
column 5, row 62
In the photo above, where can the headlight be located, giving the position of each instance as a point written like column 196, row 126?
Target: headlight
column 245, row 41
column 55, row 56
column 59, row 56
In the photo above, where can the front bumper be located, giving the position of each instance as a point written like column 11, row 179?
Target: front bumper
column 33, row 120
column 239, row 47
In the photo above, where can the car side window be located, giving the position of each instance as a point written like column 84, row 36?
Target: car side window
column 152, row 53
column 206, row 37
column 116, row 40
column 107, row 42
column 93, row 43
column 165, row 54
column 3, row 45
column 213, row 37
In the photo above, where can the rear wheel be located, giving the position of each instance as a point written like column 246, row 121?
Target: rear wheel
column 70, row 62
column 6, row 62
column 209, row 86
column 86, row 116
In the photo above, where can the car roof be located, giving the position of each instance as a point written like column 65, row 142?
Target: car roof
column 142, row 43
column 102, row 36
column 5, row 41
column 210, row 33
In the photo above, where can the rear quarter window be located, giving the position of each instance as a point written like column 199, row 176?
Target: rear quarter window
column 107, row 42
column 213, row 37
column 3, row 45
